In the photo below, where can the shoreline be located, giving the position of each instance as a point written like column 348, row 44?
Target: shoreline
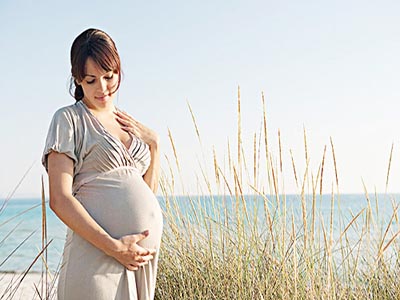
column 11, row 286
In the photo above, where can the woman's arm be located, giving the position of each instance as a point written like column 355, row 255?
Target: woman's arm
column 75, row 216
column 152, row 174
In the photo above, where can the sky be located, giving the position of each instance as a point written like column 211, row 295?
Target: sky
column 330, row 68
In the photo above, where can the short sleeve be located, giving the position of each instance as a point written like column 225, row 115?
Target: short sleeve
column 61, row 136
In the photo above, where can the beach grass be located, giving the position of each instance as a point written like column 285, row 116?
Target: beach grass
column 240, row 239
column 232, row 249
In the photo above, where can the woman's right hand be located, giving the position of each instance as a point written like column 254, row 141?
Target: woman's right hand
column 130, row 254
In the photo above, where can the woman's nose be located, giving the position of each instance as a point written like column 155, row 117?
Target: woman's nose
column 102, row 85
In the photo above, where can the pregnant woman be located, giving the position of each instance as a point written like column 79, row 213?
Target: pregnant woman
column 103, row 168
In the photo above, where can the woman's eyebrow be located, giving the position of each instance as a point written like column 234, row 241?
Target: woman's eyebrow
column 90, row 75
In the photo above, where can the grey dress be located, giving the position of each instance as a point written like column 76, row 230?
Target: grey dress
column 108, row 182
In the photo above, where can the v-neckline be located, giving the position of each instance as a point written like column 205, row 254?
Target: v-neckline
column 106, row 131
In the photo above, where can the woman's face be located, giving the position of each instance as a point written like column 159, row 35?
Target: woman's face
column 98, row 85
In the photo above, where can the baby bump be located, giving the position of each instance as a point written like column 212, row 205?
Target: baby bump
column 122, row 203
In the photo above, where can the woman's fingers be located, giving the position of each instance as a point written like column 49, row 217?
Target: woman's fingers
column 125, row 116
column 133, row 126
column 139, row 261
column 137, row 237
column 136, row 256
column 132, row 268
column 123, row 121
column 128, row 124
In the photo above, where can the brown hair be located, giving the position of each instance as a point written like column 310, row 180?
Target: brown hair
column 99, row 46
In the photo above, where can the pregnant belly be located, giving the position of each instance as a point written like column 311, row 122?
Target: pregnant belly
column 122, row 203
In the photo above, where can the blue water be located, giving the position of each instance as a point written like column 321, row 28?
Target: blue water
column 21, row 221
column 21, row 235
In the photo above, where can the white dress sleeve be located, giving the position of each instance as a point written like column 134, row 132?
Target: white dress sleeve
column 61, row 137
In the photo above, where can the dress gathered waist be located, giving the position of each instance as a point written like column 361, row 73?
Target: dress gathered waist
column 88, row 179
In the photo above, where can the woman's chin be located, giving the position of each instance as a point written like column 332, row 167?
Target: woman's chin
column 102, row 99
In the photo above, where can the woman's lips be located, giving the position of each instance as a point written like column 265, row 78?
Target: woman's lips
column 102, row 97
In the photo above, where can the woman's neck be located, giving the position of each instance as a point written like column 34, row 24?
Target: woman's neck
column 99, row 109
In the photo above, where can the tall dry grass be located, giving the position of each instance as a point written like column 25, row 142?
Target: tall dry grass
column 243, row 239
column 221, row 245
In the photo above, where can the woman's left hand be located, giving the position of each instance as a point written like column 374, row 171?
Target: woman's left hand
column 133, row 126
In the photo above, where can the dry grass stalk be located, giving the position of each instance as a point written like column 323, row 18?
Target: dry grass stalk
column 294, row 258
column 337, row 184
column 240, row 195
column 230, row 163
column 172, row 177
column 331, row 222
column 368, row 216
column 205, row 178
column 313, row 212
column 255, row 160
column 266, row 144
column 388, row 169
column 16, row 248
column 305, row 143
column 216, row 173
column 304, row 207
column 322, row 171
column 381, row 247
column 13, row 289
column 176, row 160
column 226, row 181
column 246, row 169
column 280, row 150
column 294, row 169
column 11, row 194
column 388, row 244
column 19, row 214
column 334, row 164
column 45, row 282
column 174, row 149
column 195, row 123
column 265, row 124
column 239, row 134
column 275, row 181
column 351, row 223
column 267, row 213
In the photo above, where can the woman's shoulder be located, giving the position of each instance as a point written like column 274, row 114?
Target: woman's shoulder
column 71, row 112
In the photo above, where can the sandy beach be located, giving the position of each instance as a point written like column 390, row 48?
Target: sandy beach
column 11, row 286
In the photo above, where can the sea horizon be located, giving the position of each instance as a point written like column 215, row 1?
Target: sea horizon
column 21, row 219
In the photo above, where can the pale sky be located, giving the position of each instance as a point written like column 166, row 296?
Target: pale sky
column 330, row 66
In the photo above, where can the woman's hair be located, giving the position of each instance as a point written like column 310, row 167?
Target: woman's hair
column 99, row 46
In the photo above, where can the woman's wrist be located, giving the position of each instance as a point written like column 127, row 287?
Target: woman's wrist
column 155, row 143
column 111, row 246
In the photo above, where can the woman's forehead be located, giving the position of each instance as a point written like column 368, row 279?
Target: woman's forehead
column 92, row 69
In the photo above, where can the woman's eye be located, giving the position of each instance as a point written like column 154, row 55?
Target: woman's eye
column 109, row 77
column 90, row 81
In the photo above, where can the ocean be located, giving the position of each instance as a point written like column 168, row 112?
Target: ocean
column 21, row 221
column 21, row 235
